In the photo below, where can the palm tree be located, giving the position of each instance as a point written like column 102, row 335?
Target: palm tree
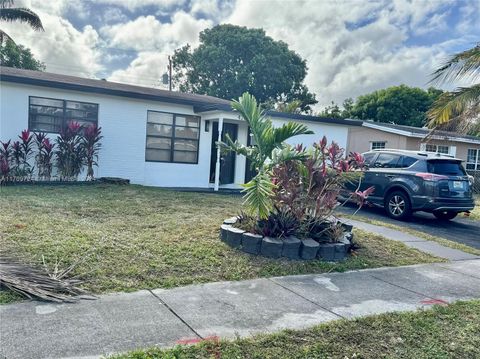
column 269, row 149
column 458, row 109
column 10, row 13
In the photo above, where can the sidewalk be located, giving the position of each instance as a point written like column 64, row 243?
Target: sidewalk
column 121, row 322
column 410, row 240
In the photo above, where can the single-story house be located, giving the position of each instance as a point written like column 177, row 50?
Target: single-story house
column 376, row 135
column 151, row 137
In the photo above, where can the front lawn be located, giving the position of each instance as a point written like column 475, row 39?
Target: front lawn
column 131, row 237
column 442, row 332
column 475, row 213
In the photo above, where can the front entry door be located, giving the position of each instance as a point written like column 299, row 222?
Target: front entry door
column 227, row 161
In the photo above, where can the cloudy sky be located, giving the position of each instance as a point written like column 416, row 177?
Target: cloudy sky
column 352, row 47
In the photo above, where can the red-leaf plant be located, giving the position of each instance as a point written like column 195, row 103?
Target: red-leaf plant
column 310, row 187
column 70, row 154
column 44, row 156
column 91, row 145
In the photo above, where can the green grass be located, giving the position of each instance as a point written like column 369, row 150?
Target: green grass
column 428, row 237
column 132, row 237
column 442, row 332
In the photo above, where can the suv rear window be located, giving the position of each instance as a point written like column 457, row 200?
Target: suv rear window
column 447, row 168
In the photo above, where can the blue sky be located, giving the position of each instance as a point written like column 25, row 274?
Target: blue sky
column 351, row 47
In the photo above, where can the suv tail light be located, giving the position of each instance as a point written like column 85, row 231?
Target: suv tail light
column 431, row 176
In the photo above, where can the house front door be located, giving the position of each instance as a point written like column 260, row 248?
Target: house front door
column 227, row 161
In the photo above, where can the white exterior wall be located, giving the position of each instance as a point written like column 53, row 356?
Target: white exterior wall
column 337, row 133
column 123, row 121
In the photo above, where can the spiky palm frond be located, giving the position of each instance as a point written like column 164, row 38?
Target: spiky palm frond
column 288, row 130
column 22, row 15
column 464, row 65
column 460, row 104
column 258, row 195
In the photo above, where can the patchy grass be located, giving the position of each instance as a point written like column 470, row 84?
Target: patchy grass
column 442, row 332
column 428, row 237
column 7, row 296
column 131, row 237
column 475, row 213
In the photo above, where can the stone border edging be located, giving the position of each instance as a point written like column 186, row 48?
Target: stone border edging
column 290, row 247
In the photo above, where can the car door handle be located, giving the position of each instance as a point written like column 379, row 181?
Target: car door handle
column 390, row 176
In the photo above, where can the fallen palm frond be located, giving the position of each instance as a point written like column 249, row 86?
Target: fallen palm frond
column 37, row 283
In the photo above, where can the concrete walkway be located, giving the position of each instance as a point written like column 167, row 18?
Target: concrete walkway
column 120, row 322
column 410, row 240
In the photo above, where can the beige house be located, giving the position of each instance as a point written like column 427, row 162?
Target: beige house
column 375, row 135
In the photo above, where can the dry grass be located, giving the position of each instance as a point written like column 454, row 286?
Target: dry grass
column 140, row 237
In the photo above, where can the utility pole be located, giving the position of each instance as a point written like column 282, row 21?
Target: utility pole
column 169, row 73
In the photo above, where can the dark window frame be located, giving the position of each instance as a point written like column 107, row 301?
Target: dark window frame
column 63, row 117
column 173, row 137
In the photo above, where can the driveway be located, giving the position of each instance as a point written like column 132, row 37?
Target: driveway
column 461, row 230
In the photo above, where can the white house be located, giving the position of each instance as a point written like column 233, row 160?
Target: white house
column 151, row 137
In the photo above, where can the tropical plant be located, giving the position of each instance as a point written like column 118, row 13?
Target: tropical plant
column 10, row 13
column 44, row 157
column 5, row 157
column 459, row 109
column 269, row 150
column 91, row 146
column 280, row 223
column 309, row 187
column 70, row 153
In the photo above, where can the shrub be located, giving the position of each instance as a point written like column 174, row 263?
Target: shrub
column 70, row 153
column 91, row 146
column 44, row 157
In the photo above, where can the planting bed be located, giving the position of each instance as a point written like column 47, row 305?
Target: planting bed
column 290, row 247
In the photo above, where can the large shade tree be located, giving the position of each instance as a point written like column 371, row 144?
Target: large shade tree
column 402, row 105
column 459, row 109
column 231, row 60
column 8, row 12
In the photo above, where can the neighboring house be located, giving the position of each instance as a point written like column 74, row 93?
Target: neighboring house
column 376, row 135
column 151, row 137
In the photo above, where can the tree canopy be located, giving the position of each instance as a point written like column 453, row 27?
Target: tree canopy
column 18, row 56
column 231, row 60
column 402, row 105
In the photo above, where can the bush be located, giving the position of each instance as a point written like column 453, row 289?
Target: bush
column 75, row 148
column 296, row 190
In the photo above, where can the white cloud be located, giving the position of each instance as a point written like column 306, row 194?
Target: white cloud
column 148, row 33
column 63, row 48
column 352, row 47
column 138, row 4
column 147, row 70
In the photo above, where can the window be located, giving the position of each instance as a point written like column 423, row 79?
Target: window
column 368, row 157
column 172, row 137
column 53, row 115
column 437, row 149
column 407, row 161
column 473, row 159
column 387, row 160
column 377, row 145
column 448, row 168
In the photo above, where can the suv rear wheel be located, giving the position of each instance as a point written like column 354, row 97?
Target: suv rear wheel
column 397, row 205
column 445, row 215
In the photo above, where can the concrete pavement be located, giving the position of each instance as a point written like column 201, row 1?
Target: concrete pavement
column 120, row 322
column 410, row 240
